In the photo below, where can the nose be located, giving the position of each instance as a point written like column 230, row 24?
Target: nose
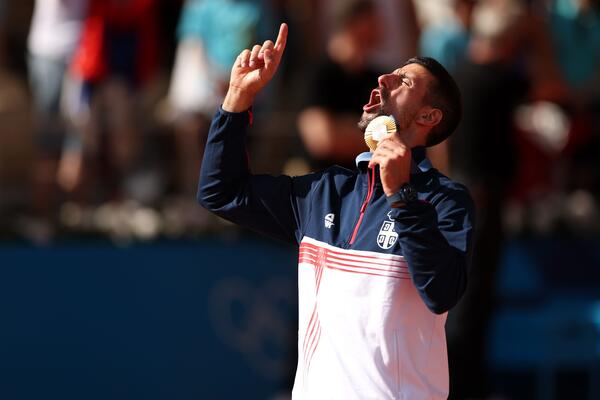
column 384, row 80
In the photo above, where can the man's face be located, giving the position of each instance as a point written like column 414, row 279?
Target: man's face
column 399, row 94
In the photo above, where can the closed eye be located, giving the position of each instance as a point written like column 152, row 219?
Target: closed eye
column 404, row 79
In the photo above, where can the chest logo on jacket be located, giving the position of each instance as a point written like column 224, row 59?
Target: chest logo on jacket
column 387, row 235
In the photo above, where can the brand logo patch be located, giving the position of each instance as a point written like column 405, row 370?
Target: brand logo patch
column 329, row 221
column 387, row 236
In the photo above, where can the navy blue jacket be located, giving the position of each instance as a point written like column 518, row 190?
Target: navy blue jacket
column 347, row 209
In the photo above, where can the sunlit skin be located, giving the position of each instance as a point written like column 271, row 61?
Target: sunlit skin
column 400, row 94
column 252, row 70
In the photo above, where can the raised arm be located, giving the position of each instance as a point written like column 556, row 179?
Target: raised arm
column 274, row 206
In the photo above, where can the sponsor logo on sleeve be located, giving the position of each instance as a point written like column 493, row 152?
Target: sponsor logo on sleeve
column 329, row 221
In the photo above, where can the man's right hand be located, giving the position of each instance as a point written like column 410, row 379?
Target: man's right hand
column 252, row 70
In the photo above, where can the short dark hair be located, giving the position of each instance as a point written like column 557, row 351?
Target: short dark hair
column 443, row 93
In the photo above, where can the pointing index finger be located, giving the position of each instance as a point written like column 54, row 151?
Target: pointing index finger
column 281, row 38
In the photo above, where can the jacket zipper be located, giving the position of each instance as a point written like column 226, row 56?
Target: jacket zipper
column 363, row 208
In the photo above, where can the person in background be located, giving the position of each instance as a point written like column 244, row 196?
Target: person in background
column 574, row 28
column 328, row 125
column 483, row 156
column 399, row 21
column 397, row 18
column 210, row 35
column 116, row 60
column 53, row 38
column 447, row 39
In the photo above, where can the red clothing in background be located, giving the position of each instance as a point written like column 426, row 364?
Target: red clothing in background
column 132, row 17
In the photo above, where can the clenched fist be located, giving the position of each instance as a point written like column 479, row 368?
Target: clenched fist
column 394, row 159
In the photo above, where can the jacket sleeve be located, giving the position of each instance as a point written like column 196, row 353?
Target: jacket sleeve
column 436, row 242
column 278, row 207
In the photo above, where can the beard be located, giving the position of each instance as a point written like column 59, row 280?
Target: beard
column 366, row 118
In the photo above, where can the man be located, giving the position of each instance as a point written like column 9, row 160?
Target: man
column 327, row 126
column 383, row 250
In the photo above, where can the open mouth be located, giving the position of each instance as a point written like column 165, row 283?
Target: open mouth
column 375, row 101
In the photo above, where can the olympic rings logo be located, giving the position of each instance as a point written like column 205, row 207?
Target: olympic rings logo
column 256, row 321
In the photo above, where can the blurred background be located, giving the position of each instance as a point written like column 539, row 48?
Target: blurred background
column 115, row 284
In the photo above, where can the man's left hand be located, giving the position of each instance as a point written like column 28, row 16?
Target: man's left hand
column 394, row 159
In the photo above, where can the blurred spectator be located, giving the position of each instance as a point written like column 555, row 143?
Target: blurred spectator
column 575, row 29
column 446, row 39
column 116, row 60
column 53, row 38
column 483, row 156
column 559, row 141
column 396, row 17
column 211, row 33
column 575, row 34
column 15, row 128
column 328, row 126
column 401, row 37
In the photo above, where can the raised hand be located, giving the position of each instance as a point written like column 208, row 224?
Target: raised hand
column 252, row 70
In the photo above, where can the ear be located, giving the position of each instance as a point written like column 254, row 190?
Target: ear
column 430, row 116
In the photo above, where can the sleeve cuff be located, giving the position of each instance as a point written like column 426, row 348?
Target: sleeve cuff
column 246, row 117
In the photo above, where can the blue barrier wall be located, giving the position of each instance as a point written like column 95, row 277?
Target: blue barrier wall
column 544, row 336
column 195, row 320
